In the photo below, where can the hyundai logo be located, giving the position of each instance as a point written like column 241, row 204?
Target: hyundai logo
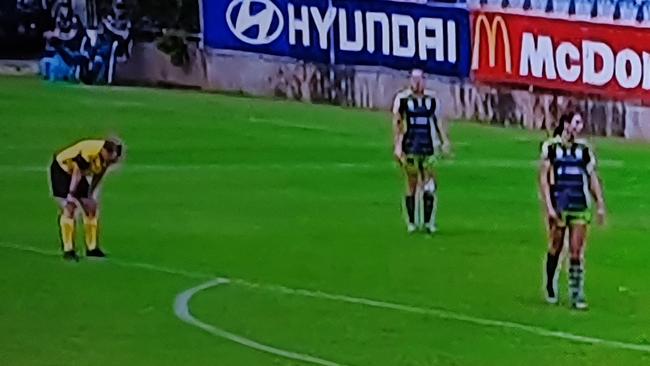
column 255, row 21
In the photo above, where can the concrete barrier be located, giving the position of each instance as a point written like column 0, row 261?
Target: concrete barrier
column 375, row 87
column 18, row 67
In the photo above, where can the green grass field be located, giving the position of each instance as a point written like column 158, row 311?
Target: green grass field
column 307, row 197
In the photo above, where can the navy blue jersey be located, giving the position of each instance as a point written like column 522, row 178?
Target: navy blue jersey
column 422, row 134
column 72, row 40
column 118, row 30
column 571, row 167
column 66, row 40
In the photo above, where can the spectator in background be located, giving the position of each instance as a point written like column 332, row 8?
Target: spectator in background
column 635, row 10
column 117, row 28
column 113, row 42
column 62, row 56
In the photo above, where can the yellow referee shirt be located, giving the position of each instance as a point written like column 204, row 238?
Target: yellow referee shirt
column 86, row 155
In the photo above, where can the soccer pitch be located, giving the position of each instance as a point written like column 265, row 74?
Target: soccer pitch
column 281, row 196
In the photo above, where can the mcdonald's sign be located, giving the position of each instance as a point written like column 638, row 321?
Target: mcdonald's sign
column 611, row 60
column 492, row 25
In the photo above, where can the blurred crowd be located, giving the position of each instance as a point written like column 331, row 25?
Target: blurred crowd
column 635, row 10
column 631, row 10
column 76, row 52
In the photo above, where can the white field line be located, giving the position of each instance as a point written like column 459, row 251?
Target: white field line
column 117, row 103
column 481, row 163
column 299, row 126
column 438, row 313
column 182, row 311
column 216, row 166
column 450, row 315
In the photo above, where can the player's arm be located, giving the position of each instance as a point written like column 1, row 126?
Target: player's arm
column 76, row 165
column 544, row 184
column 596, row 188
column 441, row 124
column 398, row 130
column 444, row 136
column 74, row 181
column 398, row 134
column 597, row 191
column 94, row 184
column 545, row 188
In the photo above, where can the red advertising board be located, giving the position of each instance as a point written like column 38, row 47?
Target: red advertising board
column 575, row 56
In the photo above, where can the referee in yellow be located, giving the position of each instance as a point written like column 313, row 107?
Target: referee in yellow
column 75, row 174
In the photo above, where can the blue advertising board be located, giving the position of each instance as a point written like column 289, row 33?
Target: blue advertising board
column 353, row 32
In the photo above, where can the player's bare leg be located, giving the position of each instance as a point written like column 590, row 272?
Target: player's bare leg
column 409, row 200
column 67, row 226
column 578, row 233
column 89, row 206
column 556, row 241
column 430, row 199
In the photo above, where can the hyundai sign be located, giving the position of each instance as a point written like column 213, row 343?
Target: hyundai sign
column 353, row 32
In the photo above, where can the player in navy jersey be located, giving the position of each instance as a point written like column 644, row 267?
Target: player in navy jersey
column 419, row 141
column 569, row 182
column 62, row 48
column 556, row 243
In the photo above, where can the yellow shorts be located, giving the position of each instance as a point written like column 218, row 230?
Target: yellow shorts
column 420, row 163
column 568, row 218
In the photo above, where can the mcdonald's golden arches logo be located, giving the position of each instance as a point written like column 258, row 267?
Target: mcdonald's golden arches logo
column 491, row 29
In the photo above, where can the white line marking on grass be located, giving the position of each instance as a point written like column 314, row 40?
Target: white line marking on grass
column 300, row 126
column 117, row 262
column 479, row 163
column 215, row 166
column 312, row 166
column 182, row 311
column 118, row 103
column 438, row 313
column 449, row 315
column 10, row 169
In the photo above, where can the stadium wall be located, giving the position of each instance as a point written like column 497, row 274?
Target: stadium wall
column 477, row 75
column 374, row 87
column 150, row 66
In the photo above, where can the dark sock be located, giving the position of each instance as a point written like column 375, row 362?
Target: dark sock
column 428, row 206
column 551, row 265
column 410, row 208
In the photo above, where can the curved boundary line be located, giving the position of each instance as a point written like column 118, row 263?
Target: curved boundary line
column 182, row 311
column 450, row 315
column 443, row 314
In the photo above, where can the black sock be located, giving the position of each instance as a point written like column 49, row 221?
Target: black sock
column 410, row 208
column 551, row 265
column 428, row 206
